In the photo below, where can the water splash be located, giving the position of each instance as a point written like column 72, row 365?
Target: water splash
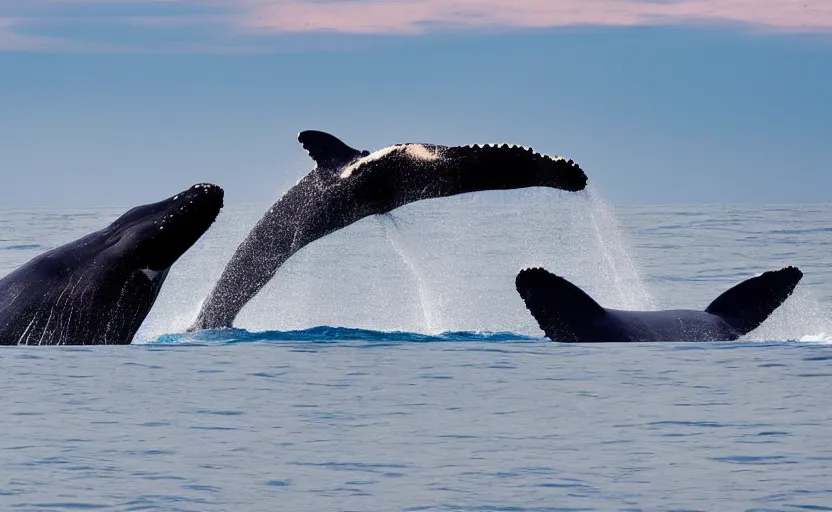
column 800, row 318
column 429, row 310
column 437, row 266
column 449, row 265
column 626, row 289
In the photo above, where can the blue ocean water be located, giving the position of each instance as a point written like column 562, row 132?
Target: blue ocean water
column 392, row 366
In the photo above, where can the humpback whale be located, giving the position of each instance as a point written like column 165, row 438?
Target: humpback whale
column 566, row 313
column 347, row 185
column 98, row 289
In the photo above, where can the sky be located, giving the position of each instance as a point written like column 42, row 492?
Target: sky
column 120, row 102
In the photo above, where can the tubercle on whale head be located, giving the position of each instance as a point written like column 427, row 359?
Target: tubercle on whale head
column 201, row 195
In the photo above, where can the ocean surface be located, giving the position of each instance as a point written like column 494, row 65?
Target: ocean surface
column 392, row 366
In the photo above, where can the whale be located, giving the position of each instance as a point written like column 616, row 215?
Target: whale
column 565, row 313
column 348, row 185
column 98, row 289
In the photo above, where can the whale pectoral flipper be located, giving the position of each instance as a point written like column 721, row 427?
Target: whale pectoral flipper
column 748, row 304
column 328, row 151
column 561, row 309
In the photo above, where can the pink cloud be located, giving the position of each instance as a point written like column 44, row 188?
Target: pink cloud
column 232, row 25
column 418, row 16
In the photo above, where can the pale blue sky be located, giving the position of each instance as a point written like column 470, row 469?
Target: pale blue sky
column 122, row 102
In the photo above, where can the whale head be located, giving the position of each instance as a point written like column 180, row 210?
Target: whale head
column 151, row 237
column 99, row 288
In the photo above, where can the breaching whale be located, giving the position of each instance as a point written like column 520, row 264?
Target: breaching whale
column 566, row 313
column 98, row 289
column 348, row 185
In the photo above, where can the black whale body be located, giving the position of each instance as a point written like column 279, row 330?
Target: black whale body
column 348, row 185
column 99, row 289
column 566, row 313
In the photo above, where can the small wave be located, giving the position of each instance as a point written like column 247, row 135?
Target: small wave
column 326, row 334
column 25, row 247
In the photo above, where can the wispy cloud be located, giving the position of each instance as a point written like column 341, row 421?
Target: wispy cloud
column 420, row 16
column 12, row 40
column 48, row 25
